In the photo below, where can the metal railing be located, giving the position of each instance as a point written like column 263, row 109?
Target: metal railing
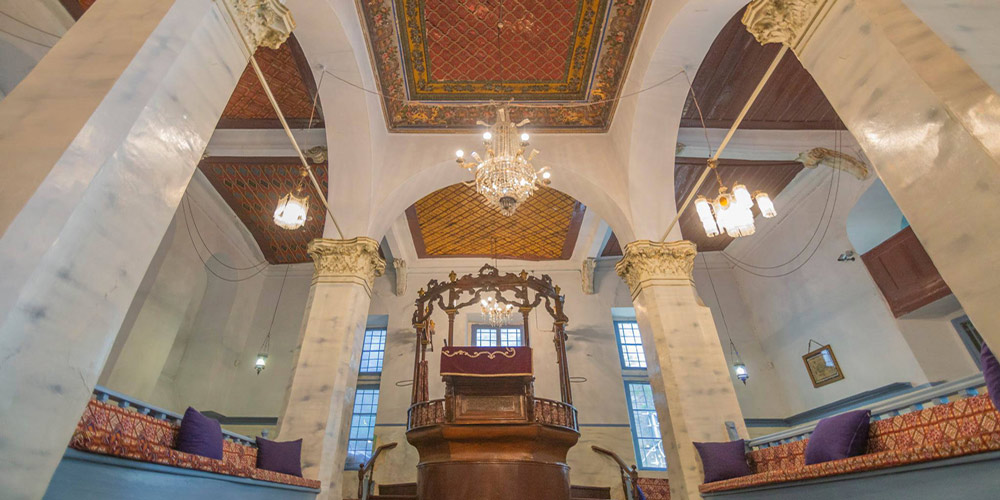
column 366, row 485
column 916, row 400
column 630, row 476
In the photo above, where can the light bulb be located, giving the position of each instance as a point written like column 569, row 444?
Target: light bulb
column 459, row 153
column 524, row 137
column 765, row 205
column 487, row 136
column 742, row 196
column 291, row 211
column 261, row 362
column 546, row 175
column 705, row 214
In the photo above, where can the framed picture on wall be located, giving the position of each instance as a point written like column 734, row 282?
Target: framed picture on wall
column 822, row 366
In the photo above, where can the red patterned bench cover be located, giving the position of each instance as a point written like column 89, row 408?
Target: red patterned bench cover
column 962, row 427
column 485, row 361
column 109, row 429
column 654, row 488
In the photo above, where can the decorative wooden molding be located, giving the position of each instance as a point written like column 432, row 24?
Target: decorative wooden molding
column 646, row 262
column 904, row 273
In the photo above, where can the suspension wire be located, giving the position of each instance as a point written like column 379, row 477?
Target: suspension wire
column 746, row 269
column 205, row 263
column 25, row 39
column 36, row 28
column 701, row 117
column 197, row 231
column 722, row 310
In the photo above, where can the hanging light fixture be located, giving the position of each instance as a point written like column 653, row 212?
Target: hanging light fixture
column 496, row 312
column 293, row 208
column 739, row 367
column 506, row 177
column 261, row 362
column 731, row 211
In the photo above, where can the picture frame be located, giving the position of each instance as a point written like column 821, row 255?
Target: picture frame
column 822, row 366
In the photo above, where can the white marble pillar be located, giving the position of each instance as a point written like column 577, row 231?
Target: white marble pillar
column 99, row 142
column 320, row 396
column 926, row 120
column 687, row 368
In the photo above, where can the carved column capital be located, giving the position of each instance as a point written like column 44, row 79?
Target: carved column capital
column 647, row 262
column 346, row 261
column 783, row 21
column 263, row 23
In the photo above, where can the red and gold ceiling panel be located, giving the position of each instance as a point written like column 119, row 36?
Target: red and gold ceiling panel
column 440, row 62
column 456, row 222
column 252, row 187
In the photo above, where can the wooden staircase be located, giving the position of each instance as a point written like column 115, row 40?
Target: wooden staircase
column 408, row 491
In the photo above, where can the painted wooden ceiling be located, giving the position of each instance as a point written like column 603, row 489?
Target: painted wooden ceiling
column 731, row 70
column 440, row 62
column 456, row 222
column 252, row 187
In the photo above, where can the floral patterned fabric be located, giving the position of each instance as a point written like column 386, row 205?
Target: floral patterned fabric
column 108, row 429
column 963, row 427
column 654, row 488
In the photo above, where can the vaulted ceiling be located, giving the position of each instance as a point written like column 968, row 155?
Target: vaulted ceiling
column 440, row 62
column 456, row 222
column 731, row 70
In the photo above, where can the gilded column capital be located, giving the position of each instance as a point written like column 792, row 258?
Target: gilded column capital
column 783, row 21
column 646, row 262
column 263, row 23
column 344, row 261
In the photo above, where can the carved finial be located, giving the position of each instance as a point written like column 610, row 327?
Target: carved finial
column 420, row 292
column 452, row 276
column 558, row 289
column 523, row 275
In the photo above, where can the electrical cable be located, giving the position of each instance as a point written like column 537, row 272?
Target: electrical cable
column 25, row 39
column 18, row 21
column 207, row 267
column 197, row 231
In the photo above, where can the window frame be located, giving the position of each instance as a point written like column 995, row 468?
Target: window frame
column 637, row 450
column 621, row 352
column 348, row 464
column 365, row 350
column 476, row 327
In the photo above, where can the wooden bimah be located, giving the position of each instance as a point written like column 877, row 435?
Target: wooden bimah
column 490, row 437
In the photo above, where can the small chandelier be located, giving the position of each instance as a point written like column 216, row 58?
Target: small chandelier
column 730, row 211
column 506, row 178
column 293, row 208
column 496, row 312
column 738, row 366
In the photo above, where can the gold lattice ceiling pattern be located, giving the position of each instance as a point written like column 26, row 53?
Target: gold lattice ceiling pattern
column 456, row 222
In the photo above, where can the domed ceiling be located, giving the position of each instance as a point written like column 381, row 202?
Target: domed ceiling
column 439, row 62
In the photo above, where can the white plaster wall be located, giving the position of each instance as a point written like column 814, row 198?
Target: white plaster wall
column 935, row 342
column 829, row 301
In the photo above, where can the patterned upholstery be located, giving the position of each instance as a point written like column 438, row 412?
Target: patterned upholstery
column 963, row 427
column 108, row 429
column 654, row 488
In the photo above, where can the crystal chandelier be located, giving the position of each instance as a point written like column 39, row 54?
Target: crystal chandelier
column 293, row 208
column 496, row 312
column 730, row 211
column 506, row 178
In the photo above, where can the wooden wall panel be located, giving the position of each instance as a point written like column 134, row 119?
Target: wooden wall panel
column 904, row 273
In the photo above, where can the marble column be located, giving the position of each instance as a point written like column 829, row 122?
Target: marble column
column 100, row 141
column 320, row 396
column 693, row 392
column 926, row 120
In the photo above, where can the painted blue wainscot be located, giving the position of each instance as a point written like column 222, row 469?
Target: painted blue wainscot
column 86, row 476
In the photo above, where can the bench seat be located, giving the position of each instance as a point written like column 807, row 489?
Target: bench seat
column 963, row 427
column 109, row 429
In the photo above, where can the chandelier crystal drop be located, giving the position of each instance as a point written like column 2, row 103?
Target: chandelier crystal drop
column 293, row 208
column 506, row 177
column 730, row 212
column 496, row 312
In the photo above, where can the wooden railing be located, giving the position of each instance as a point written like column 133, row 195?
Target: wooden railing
column 630, row 476
column 912, row 401
column 105, row 395
column 551, row 412
column 366, row 485
column 425, row 413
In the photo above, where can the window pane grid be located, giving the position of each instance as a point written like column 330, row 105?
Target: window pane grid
column 362, row 433
column 630, row 344
column 645, row 426
column 505, row 336
column 373, row 351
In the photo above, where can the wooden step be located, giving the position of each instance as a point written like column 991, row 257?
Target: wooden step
column 409, row 489
column 589, row 492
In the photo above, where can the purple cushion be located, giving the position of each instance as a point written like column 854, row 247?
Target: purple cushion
column 200, row 435
column 284, row 457
column 723, row 460
column 840, row 436
column 991, row 372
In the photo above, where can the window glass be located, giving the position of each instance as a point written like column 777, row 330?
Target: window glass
column 373, row 350
column 630, row 344
column 645, row 427
column 490, row 336
column 362, row 434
